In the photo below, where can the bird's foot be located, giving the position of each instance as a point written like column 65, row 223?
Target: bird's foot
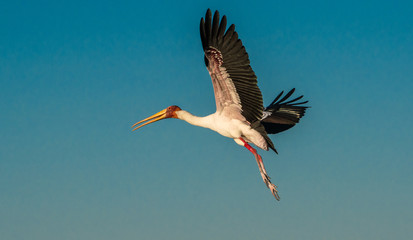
column 269, row 184
column 274, row 191
column 267, row 178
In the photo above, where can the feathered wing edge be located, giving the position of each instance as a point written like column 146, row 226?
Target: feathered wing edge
column 282, row 113
column 231, row 60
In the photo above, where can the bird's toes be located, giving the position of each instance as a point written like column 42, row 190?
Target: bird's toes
column 274, row 191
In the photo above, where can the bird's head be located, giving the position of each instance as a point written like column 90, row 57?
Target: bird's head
column 169, row 112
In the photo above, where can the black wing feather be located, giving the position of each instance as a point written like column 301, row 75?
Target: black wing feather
column 222, row 27
column 203, row 33
column 281, row 115
column 236, row 62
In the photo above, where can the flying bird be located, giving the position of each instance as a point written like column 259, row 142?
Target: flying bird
column 240, row 114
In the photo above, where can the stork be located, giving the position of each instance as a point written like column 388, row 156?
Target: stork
column 240, row 114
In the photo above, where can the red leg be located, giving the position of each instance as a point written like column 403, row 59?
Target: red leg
column 261, row 167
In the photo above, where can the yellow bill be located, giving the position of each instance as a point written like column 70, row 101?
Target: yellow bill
column 156, row 117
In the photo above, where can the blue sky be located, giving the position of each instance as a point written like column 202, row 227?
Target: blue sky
column 75, row 75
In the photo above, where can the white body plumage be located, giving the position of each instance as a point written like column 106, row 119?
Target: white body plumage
column 226, row 126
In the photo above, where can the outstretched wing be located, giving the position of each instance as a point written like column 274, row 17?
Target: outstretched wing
column 234, row 81
column 281, row 114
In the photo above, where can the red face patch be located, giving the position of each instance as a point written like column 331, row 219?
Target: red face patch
column 170, row 111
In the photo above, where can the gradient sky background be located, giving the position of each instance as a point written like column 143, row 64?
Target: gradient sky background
column 75, row 75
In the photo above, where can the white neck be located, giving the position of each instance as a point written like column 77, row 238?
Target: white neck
column 206, row 122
